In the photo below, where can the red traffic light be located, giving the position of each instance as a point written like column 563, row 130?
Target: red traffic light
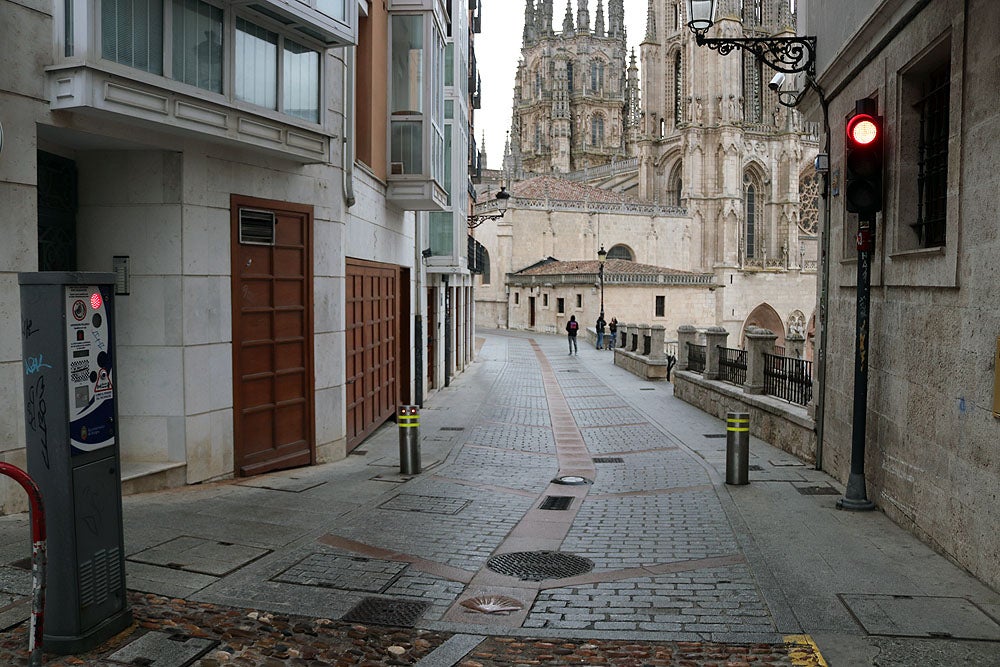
column 862, row 129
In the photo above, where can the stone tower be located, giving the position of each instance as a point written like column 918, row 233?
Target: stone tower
column 571, row 89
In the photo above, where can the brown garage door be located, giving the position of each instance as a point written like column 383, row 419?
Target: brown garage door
column 272, row 335
column 373, row 330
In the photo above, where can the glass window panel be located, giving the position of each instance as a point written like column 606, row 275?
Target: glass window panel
column 407, row 64
column 449, row 65
column 256, row 64
column 442, row 232
column 197, row 44
column 132, row 33
column 301, row 82
column 334, row 8
column 407, row 155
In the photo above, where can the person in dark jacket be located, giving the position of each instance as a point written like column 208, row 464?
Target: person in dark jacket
column 612, row 334
column 599, row 326
column 571, row 328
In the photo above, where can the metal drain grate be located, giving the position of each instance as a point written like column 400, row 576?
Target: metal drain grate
column 609, row 459
column 358, row 452
column 556, row 503
column 647, row 388
column 757, row 468
column 714, row 435
column 382, row 611
column 539, row 565
column 452, row 428
column 823, row 490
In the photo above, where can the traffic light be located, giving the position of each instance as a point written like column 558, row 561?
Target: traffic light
column 863, row 156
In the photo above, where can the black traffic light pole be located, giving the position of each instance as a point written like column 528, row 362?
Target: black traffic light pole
column 863, row 195
column 856, row 497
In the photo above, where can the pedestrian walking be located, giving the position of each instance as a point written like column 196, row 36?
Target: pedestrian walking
column 599, row 326
column 613, row 331
column 571, row 328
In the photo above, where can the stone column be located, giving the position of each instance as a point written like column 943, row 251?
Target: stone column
column 657, row 335
column 685, row 334
column 714, row 337
column 795, row 344
column 759, row 341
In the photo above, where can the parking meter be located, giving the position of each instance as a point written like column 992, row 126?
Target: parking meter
column 71, row 425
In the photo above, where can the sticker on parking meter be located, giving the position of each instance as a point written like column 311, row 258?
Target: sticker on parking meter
column 90, row 373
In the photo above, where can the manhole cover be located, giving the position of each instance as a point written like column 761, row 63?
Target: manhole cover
column 572, row 480
column 493, row 604
column 382, row 611
column 609, row 459
column 824, row 490
column 539, row 565
column 556, row 503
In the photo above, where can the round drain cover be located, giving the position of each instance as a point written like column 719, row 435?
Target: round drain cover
column 539, row 565
column 571, row 479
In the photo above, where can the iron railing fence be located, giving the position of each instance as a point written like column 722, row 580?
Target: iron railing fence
column 696, row 358
column 733, row 365
column 788, row 378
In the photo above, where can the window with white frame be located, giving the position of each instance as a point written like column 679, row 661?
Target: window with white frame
column 187, row 41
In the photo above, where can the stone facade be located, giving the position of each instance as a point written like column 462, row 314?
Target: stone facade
column 932, row 462
column 710, row 176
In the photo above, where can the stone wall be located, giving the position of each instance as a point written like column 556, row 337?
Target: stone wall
column 784, row 425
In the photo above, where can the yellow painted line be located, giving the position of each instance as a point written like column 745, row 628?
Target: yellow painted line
column 804, row 651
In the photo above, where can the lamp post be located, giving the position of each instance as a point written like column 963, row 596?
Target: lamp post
column 602, row 256
column 502, row 200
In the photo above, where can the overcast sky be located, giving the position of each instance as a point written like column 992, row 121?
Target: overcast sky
column 498, row 48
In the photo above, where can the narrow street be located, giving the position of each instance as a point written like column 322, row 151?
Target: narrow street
column 567, row 513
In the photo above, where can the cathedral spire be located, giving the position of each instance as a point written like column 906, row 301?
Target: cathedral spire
column 582, row 17
column 616, row 18
column 568, row 19
column 650, row 22
column 599, row 19
column 529, row 22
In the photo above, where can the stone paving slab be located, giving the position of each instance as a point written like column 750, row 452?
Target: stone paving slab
column 195, row 554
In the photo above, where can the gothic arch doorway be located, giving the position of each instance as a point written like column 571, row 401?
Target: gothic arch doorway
column 765, row 317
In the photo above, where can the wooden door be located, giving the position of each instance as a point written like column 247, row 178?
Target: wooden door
column 373, row 335
column 272, row 335
column 531, row 312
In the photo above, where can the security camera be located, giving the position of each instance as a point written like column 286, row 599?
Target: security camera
column 776, row 81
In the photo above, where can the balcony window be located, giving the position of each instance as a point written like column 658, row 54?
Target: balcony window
column 132, row 32
column 197, row 44
column 256, row 64
column 416, row 107
column 301, row 82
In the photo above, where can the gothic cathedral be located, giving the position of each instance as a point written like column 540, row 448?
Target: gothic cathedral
column 684, row 159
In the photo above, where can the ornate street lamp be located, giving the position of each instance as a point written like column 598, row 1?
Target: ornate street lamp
column 602, row 256
column 782, row 54
column 502, row 200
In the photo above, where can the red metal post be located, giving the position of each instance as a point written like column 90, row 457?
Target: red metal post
column 37, row 559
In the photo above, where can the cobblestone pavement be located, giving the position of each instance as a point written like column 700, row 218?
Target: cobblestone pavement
column 673, row 577
column 250, row 638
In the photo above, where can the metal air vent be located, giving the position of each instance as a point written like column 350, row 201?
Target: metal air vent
column 256, row 227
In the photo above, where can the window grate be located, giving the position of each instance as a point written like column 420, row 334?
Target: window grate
column 932, row 163
column 256, row 227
